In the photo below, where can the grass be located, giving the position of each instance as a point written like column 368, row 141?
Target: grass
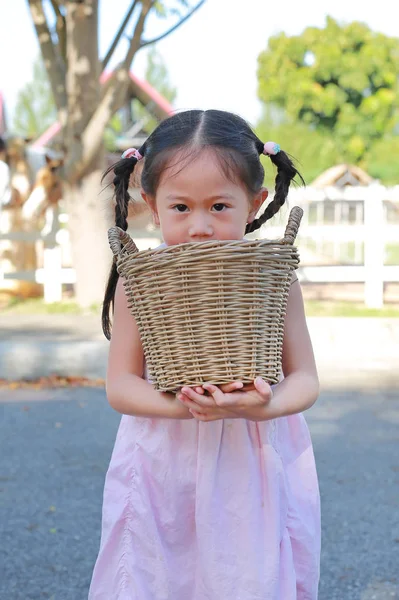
column 326, row 308
column 314, row 308
column 37, row 306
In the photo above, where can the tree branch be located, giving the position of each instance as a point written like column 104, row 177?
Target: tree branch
column 61, row 29
column 114, row 96
column 163, row 35
column 118, row 35
column 135, row 41
column 92, row 137
column 112, row 100
column 52, row 61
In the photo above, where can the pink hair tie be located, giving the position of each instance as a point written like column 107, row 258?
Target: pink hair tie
column 271, row 148
column 132, row 153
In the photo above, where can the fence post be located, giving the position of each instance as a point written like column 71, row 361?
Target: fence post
column 374, row 246
column 52, row 275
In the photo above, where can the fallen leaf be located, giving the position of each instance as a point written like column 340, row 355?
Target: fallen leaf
column 52, row 381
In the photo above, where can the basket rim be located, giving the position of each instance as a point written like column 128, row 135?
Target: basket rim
column 284, row 256
column 200, row 247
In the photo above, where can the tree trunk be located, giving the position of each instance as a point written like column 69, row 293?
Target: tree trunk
column 91, row 255
column 85, row 206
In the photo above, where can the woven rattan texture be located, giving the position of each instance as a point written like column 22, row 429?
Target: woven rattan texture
column 210, row 311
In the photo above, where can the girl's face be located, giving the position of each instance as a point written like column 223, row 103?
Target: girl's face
column 198, row 203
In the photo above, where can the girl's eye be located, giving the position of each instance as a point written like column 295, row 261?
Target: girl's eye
column 219, row 207
column 180, row 207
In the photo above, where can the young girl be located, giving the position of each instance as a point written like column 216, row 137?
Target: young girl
column 212, row 493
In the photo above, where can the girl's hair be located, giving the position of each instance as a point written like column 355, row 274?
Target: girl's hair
column 186, row 134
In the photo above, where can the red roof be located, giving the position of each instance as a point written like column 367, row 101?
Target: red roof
column 144, row 92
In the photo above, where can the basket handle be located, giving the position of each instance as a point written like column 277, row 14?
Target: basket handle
column 294, row 220
column 120, row 240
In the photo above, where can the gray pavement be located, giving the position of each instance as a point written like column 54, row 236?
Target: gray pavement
column 33, row 346
column 351, row 353
column 55, row 446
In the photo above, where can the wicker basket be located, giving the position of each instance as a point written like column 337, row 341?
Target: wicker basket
column 209, row 311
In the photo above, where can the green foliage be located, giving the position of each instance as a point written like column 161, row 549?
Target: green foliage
column 157, row 75
column 35, row 109
column 163, row 10
column 112, row 131
column 342, row 79
column 313, row 151
column 382, row 160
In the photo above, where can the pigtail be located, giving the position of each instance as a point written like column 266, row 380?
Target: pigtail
column 286, row 172
column 122, row 171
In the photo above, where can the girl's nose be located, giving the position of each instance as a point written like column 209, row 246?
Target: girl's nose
column 200, row 227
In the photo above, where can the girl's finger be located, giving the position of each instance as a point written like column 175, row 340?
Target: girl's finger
column 248, row 387
column 263, row 388
column 192, row 406
column 200, row 416
column 227, row 388
column 199, row 390
column 205, row 417
column 215, row 392
column 200, row 399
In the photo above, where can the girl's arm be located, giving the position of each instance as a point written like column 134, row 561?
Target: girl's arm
column 300, row 388
column 127, row 391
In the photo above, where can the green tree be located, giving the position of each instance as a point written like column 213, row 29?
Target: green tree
column 313, row 151
column 342, row 79
column 35, row 109
column 157, row 75
column 382, row 160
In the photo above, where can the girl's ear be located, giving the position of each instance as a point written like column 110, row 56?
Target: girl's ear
column 257, row 203
column 150, row 201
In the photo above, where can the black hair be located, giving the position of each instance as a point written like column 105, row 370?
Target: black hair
column 238, row 150
column 3, row 147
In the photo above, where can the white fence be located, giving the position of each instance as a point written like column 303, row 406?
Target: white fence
column 53, row 274
column 373, row 273
column 372, row 235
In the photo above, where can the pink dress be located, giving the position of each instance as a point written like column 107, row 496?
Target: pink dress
column 225, row 510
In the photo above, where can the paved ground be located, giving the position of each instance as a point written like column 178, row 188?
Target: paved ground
column 349, row 352
column 54, row 449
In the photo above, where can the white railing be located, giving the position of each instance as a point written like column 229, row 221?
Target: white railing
column 373, row 234
column 53, row 274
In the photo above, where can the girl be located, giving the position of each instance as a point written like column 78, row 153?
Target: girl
column 208, row 496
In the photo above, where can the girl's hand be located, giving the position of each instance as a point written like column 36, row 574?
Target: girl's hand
column 230, row 400
column 201, row 407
